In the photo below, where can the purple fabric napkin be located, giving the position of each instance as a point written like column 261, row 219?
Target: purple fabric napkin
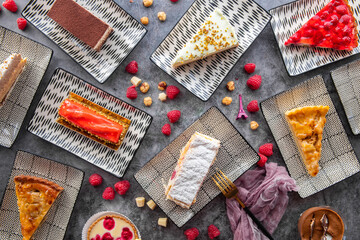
column 264, row 191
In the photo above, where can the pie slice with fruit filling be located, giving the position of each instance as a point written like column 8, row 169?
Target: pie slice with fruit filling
column 307, row 125
column 334, row 26
column 35, row 196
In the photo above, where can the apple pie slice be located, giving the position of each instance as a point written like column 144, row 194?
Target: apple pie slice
column 35, row 196
column 307, row 125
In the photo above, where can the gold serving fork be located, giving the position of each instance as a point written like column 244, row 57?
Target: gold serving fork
column 229, row 190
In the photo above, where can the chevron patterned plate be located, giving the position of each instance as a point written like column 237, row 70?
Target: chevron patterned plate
column 127, row 34
column 203, row 77
column 44, row 125
column 289, row 18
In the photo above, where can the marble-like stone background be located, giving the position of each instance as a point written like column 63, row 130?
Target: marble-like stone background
column 264, row 52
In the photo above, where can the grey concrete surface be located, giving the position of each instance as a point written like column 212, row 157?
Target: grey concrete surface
column 264, row 52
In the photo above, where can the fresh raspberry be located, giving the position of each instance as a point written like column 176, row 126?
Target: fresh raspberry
column 95, row 179
column 109, row 193
column 10, row 5
column 254, row 82
column 253, row 106
column 166, row 129
column 174, row 116
column 172, row 91
column 250, row 67
column 21, row 22
column 132, row 67
column 97, row 237
column 131, row 92
column 122, row 187
column 213, row 231
column 107, row 236
column 262, row 161
column 174, row 1
column 266, row 149
column 191, row 233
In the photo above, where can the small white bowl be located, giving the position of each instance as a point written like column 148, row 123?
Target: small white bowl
column 98, row 215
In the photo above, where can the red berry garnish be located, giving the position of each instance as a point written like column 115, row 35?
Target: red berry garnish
column 109, row 193
column 254, row 82
column 10, row 5
column 21, row 22
column 262, row 161
column 191, row 233
column 213, row 231
column 174, row 116
column 253, row 106
column 131, row 92
column 122, row 187
column 132, row 67
column 107, row 236
column 109, row 223
column 172, row 92
column 166, row 129
column 250, row 67
column 266, row 149
column 95, row 179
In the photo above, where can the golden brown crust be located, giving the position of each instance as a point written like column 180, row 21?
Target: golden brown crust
column 124, row 122
column 35, row 196
column 355, row 22
column 307, row 124
column 112, row 216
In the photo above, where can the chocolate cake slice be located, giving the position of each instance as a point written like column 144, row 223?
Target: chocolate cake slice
column 80, row 23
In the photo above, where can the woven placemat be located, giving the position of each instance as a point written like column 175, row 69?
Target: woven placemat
column 58, row 216
column 338, row 160
column 235, row 156
column 346, row 80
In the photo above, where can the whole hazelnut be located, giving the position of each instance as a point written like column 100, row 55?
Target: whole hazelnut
column 147, row 3
column 254, row 125
column 144, row 20
column 162, row 86
column 230, row 86
column 162, row 97
column 162, row 16
column 148, row 101
column 227, row 101
column 144, row 88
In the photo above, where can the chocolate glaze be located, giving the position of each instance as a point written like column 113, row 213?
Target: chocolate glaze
column 80, row 22
column 336, row 225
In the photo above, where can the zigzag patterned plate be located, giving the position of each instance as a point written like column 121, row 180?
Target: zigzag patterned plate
column 13, row 112
column 287, row 19
column 44, row 125
column 203, row 77
column 127, row 34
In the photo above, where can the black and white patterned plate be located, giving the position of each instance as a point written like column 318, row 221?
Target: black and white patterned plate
column 203, row 77
column 338, row 160
column 127, row 34
column 13, row 112
column 57, row 219
column 235, row 156
column 346, row 80
column 289, row 18
column 44, row 125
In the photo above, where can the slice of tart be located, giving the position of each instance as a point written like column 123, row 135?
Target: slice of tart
column 334, row 26
column 112, row 227
column 10, row 70
column 215, row 35
column 307, row 125
column 35, row 196
column 93, row 121
column 192, row 167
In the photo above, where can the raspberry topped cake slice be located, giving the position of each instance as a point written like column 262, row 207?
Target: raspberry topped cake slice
column 192, row 167
column 334, row 26
column 215, row 35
